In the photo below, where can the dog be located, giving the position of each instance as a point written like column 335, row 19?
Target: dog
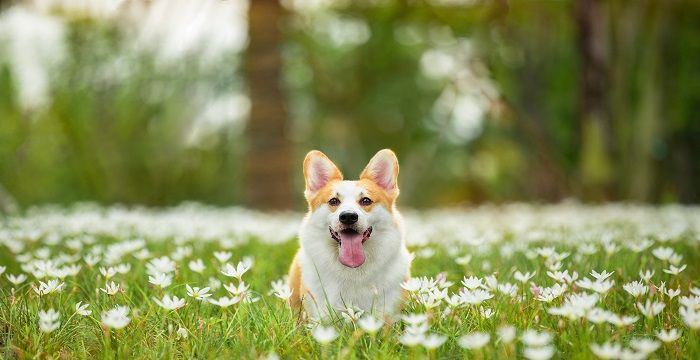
column 352, row 250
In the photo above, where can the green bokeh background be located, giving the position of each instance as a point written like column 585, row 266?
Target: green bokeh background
column 548, row 130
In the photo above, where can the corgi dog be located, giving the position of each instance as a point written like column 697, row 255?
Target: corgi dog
column 352, row 251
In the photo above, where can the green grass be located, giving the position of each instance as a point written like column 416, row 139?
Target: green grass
column 257, row 329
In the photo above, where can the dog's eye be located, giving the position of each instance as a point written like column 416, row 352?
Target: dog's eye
column 365, row 201
column 334, row 202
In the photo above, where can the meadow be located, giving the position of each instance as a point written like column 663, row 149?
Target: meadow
column 565, row 281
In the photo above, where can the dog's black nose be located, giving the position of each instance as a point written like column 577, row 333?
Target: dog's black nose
column 348, row 217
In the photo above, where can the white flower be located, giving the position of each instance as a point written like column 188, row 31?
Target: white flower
column 91, row 259
column 620, row 320
column 671, row 293
column 508, row 289
column 111, row 288
column 475, row 297
column 181, row 252
column 324, row 334
column 142, row 254
column 673, row 270
column 48, row 320
column 214, row 283
column 602, row 287
column 675, row 259
column 523, row 278
column 600, row 276
column 668, row 335
column 545, row 252
column 662, row 253
column 538, row 353
column 598, row 286
column 370, row 324
column 417, row 329
column 463, row 260
column 474, row 341
column 225, row 301
column 640, row 245
column 196, row 265
column 248, row 298
column 548, row 294
column 645, row 346
column 491, row 283
column 563, row 276
column 82, row 309
column 690, row 315
column 629, row 354
column 108, row 272
column 116, row 318
column 415, row 319
column 454, row 300
column 575, row 306
column 239, row 290
column 535, row 339
column 691, row 301
column 222, row 256
column 646, row 275
column 607, row 350
column 123, row 268
column 16, row 279
column 182, row 333
column 283, row 293
column 162, row 265
column 472, row 282
column 635, row 288
column 610, row 248
column 49, row 287
column 411, row 339
column 161, row 280
column 485, row 312
column 411, row 285
column 651, row 309
column 351, row 314
column 2, row 269
column 433, row 341
column 237, row 271
column 506, row 333
column 597, row 315
column 587, row 249
column 170, row 303
column 197, row 293
column 432, row 298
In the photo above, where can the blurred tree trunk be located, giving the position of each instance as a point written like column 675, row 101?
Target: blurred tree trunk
column 268, row 167
column 648, row 128
column 597, row 148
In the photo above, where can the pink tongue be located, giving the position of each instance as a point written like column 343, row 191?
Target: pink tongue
column 351, row 253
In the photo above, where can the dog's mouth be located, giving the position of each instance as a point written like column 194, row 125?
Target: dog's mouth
column 351, row 253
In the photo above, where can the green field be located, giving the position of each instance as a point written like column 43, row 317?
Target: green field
column 494, row 242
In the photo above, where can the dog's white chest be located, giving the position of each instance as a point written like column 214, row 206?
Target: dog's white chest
column 375, row 289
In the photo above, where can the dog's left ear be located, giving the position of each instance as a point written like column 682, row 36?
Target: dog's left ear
column 383, row 169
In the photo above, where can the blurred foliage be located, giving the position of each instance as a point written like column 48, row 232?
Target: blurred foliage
column 482, row 102
column 117, row 128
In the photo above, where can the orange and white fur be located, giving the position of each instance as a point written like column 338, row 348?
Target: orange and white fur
column 353, row 252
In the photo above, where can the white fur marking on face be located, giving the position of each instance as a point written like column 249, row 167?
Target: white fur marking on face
column 349, row 193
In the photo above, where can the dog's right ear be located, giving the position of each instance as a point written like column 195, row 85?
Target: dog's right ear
column 319, row 170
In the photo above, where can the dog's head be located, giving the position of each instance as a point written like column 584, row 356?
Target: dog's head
column 352, row 210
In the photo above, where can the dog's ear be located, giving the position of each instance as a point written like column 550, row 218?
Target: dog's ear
column 319, row 170
column 383, row 169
